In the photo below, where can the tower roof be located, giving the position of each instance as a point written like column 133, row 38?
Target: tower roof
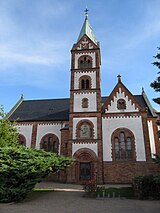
column 87, row 29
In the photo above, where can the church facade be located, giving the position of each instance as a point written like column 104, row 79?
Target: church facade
column 112, row 138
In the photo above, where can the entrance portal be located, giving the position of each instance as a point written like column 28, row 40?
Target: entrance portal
column 85, row 171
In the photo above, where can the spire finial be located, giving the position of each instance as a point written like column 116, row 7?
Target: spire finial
column 22, row 96
column 86, row 12
column 119, row 78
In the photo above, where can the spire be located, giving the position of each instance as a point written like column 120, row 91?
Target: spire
column 87, row 29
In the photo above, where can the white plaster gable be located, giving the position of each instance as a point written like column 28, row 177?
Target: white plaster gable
column 91, row 74
column 92, row 104
column 77, row 120
column 26, row 131
column 78, row 55
column 130, row 106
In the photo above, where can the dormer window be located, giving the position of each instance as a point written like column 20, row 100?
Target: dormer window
column 121, row 104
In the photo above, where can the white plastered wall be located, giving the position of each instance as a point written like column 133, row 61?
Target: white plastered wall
column 91, row 74
column 92, row 146
column 134, row 124
column 92, row 54
column 130, row 107
column 151, row 138
column 26, row 131
column 92, row 104
column 44, row 129
column 93, row 120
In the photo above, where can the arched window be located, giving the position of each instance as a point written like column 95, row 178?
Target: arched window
column 84, row 130
column 123, row 144
column 121, row 104
column 84, row 103
column 82, row 84
column 50, row 143
column 22, row 140
column 85, row 62
column 85, row 82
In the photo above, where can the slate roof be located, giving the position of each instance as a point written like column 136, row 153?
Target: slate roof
column 52, row 109
column 42, row 110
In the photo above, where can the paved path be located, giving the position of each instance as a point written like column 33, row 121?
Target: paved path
column 71, row 200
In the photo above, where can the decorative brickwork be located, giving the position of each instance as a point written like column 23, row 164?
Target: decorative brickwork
column 34, row 135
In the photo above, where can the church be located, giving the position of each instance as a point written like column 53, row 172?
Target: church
column 111, row 138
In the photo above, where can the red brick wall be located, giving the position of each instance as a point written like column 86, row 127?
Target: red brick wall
column 123, row 172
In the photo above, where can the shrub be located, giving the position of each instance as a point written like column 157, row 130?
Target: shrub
column 146, row 187
column 21, row 168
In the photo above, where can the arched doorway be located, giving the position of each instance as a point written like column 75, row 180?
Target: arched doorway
column 85, row 165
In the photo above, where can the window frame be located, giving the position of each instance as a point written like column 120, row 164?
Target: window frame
column 120, row 150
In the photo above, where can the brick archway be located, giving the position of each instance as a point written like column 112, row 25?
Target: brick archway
column 85, row 156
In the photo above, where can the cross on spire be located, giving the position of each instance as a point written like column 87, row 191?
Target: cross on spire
column 86, row 12
column 119, row 78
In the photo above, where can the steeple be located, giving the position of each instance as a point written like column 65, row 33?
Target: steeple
column 87, row 29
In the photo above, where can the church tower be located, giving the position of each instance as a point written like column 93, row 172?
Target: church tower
column 85, row 137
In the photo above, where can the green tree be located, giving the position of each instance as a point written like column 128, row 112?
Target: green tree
column 8, row 131
column 21, row 167
column 156, row 84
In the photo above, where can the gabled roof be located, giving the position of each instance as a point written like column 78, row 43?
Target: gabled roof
column 53, row 109
column 42, row 110
column 87, row 30
column 121, row 88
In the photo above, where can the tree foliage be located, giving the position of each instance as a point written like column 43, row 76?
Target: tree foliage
column 21, row 167
column 8, row 131
column 156, row 84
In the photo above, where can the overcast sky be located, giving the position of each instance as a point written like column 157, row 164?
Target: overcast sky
column 36, row 37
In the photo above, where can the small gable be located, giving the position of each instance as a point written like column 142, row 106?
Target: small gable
column 84, row 43
column 121, row 100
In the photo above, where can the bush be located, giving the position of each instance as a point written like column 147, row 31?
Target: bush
column 147, row 187
column 21, row 168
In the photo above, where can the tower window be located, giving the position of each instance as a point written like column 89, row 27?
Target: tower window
column 85, row 82
column 85, row 62
column 84, row 103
